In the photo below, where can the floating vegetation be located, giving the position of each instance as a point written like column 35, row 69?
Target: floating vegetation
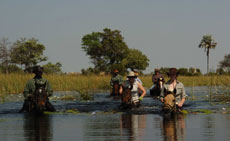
column 204, row 111
column 2, row 120
column 68, row 97
column 71, row 111
column 184, row 112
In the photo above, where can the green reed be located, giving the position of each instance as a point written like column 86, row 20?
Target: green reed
column 85, row 85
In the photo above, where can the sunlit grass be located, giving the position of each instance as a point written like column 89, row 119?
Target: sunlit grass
column 15, row 83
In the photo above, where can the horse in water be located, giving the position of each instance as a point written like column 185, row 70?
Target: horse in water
column 126, row 98
column 115, row 89
column 156, row 90
column 38, row 103
column 169, row 104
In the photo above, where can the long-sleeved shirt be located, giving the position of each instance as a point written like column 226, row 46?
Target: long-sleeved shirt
column 30, row 86
column 155, row 77
column 180, row 91
column 116, row 79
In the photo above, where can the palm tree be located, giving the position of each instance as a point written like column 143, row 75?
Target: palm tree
column 207, row 43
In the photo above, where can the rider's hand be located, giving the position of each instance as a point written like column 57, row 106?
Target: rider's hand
column 180, row 104
column 162, row 100
column 140, row 98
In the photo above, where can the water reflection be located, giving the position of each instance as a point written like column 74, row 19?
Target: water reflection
column 174, row 128
column 37, row 128
column 132, row 126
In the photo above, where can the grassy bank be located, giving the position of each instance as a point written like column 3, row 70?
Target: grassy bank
column 15, row 83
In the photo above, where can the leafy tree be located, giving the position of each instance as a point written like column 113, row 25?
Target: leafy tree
column 207, row 43
column 224, row 65
column 27, row 53
column 88, row 71
column 136, row 60
column 5, row 50
column 11, row 69
column 183, row 71
column 107, row 50
column 52, row 68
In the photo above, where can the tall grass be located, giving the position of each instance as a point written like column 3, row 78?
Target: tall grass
column 15, row 83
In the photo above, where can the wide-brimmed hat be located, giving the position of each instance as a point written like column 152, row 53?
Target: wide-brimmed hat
column 173, row 71
column 136, row 72
column 156, row 70
column 37, row 69
column 131, row 74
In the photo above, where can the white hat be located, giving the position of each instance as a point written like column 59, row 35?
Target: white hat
column 131, row 74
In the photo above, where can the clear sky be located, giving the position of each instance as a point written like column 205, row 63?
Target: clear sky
column 167, row 31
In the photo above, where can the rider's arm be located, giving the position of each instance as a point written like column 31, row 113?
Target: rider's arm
column 142, row 89
column 49, row 89
column 121, row 90
column 28, row 90
column 162, row 94
column 120, row 80
column 183, row 97
column 153, row 79
column 111, row 81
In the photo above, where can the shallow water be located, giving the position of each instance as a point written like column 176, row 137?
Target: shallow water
column 100, row 119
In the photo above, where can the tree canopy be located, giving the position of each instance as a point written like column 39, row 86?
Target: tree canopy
column 5, row 51
column 52, row 68
column 107, row 50
column 225, row 63
column 27, row 53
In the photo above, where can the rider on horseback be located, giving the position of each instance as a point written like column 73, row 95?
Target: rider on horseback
column 137, row 78
column 37, row 85
column 158, row 80
column 174, row 88
column 156, row 76
column 133, row 86
column 115, row 79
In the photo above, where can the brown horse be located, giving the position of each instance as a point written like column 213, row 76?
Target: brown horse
column 169, row 103
column 115, row 89
column 39, row 102
column 156, row 90
column 126, row 98
column 126, row 95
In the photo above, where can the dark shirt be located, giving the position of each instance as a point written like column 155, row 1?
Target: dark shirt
column 30, row 86
column 155, row 77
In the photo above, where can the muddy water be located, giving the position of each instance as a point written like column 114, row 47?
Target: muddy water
column 100, row 119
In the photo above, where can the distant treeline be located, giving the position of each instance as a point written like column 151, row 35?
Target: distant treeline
column 23, row 55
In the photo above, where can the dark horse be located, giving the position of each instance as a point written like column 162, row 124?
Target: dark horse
column 39, row 102
column 126, row 99
column 156, row 90
column 115, row 89
column 126, row 95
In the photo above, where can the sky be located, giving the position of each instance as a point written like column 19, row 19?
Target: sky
column 168, row 32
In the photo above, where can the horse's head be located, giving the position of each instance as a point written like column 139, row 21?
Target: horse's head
column 116, row 88
column 169, row 103
column 40, row 99
column 160, row 82
column 126, row 95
